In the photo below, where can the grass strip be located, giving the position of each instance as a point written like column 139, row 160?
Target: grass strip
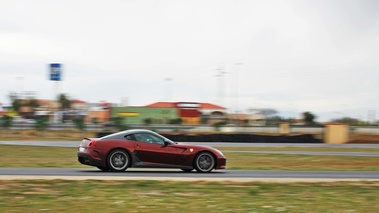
column 163, row 196
column 65, row 157
column 300, row 149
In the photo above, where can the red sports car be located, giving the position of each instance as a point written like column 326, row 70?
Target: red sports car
column 145, row 148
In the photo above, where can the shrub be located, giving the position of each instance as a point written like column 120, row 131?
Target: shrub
column 6, row 121
column 79, row 123
column 41, row 124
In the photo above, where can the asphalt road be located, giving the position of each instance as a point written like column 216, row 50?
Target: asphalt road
column 176, row 174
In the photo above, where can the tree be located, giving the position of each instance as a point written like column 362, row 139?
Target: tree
column 204, row 120
column 6, row 121
column 274, row 120
column 348, row 120
column 41, row 123
column 119, row 124
column 218, row 125
column 176, row 121
column 15, row 101
column 309, row 118
column 65, row 103
column 268, row 112
column 79, row 122
column 147, row 121
column 94, row 120
column 33, row 103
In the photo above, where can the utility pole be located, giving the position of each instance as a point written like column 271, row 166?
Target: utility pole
column 21, row 92
column 236, row 85
column 168, row 89
column 371, row 114
column 221, row 85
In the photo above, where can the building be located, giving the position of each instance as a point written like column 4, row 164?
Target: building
column 247, row 119
column 194, row 112
column 138, row 115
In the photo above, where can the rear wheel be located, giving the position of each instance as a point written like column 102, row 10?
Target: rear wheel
column 118, row 160
column 204, row 162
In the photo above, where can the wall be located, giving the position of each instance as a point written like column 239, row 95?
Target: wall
column 137, row 115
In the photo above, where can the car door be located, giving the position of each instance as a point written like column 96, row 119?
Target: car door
column 151, row 149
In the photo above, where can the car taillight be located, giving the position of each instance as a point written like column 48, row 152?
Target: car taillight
column 92, row 143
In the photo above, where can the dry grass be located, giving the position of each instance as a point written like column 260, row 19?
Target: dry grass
column 66, row 134
column 168, row 196
column 364, row 138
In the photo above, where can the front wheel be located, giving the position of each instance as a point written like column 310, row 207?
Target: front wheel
column 204, row 162
column 118, row 160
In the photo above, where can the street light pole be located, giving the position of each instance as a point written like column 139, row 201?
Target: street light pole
column 168, row 89
column 21, row 79
column 220, row 76
column 237, row 83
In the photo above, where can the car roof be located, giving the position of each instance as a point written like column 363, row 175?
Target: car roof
column 132, row 131
column 129, row 131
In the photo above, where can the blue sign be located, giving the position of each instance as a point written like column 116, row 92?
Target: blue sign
column 55, row 72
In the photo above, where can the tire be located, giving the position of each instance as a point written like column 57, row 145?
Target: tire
column 187, row 170
column 118, row 160
column 204, row 162
column 102, row 168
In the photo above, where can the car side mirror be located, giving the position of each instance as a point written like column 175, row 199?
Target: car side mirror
column 166, row 143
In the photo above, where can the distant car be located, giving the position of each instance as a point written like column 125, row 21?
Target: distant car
column 145, row 148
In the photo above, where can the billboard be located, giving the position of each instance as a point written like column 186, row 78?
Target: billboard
column 55, row 72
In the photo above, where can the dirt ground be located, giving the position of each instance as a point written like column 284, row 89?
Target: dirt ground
column 364, row 138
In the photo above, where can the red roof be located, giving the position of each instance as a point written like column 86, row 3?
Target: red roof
column 211, row 106
column 162, row 105
column 48, row 102
column 43, row 102
column 78, row 102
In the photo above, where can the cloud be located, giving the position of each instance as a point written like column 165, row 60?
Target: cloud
column 295, row 55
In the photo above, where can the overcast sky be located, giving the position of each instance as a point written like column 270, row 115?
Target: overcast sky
column 290, row 55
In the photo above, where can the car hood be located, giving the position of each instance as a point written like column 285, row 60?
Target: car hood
column 188, row 145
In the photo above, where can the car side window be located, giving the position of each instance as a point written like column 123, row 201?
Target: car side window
column 130, row 137
column 157, row 140
column 149, row 138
